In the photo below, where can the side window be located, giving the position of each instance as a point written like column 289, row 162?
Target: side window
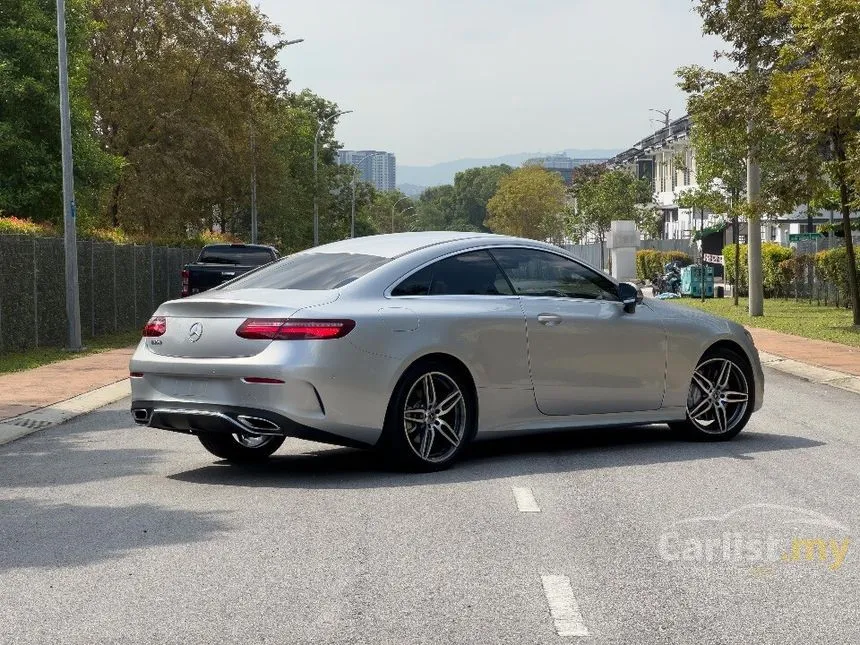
column 474, row 273
column 539, row 273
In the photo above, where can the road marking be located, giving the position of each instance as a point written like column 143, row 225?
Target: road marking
column 526, row 502
column 563, row 607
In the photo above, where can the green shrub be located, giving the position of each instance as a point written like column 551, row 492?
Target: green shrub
column 18, row 226
column 647, row 264
column 729, row 259
column 771, row 255
column 684, row 259
column 832, row 267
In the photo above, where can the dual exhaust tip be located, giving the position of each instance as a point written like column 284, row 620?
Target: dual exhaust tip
column 241, row 422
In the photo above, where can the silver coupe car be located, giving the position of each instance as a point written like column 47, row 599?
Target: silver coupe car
column 418, row 343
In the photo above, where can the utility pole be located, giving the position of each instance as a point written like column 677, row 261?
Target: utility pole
column 73, row 305
column 663, row 113
column 253, row 188
column 702, row 249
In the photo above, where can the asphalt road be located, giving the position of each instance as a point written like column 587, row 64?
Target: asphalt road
column 110, row 533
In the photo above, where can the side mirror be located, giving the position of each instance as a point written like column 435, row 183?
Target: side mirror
column 630, row 296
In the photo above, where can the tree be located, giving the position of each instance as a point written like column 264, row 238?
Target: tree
column 754, row 38
column 473, row 188
column 528, row 203
column 606, row 196
column 815, row 94
column 30, row 166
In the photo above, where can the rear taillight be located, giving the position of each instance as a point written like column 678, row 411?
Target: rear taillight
column 155, row 327
column 276, row 329
column 185, row 288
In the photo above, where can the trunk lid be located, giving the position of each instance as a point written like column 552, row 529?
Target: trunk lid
column 204, row 326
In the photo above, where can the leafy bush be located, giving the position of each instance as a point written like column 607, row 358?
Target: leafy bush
column 832, row 267
column 793, row 274
column 771, row 256
column 112, row 235
column 18, row 226
column 729, row 259
column 650, row 262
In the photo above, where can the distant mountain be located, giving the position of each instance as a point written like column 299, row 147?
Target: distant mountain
column 413, row 190
column 443, row 173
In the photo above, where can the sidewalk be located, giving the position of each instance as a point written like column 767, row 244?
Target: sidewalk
column 819, row 353
column 23, row 392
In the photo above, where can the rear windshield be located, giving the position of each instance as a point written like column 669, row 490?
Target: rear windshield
column 248, row 256
column 310, row 272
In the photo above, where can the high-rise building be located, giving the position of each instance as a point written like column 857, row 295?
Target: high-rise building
column 376, row 167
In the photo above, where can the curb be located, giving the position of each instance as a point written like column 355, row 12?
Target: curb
column 811, row 373
column 35, row 420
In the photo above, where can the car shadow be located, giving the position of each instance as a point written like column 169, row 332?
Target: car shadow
column 568, row 451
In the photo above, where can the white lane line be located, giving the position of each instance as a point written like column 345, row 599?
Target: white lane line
column 563, row 607
column 526, row 502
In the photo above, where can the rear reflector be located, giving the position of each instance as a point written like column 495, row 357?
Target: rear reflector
column 277, row 329
column 186, row 274
column 262, row 379
column 155, row 327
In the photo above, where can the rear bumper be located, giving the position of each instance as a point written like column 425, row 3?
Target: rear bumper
column 201, row 418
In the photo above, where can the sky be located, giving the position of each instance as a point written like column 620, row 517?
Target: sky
column 439, row 80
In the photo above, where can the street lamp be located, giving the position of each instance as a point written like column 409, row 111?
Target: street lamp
column 392, row 211
column 354, row 173
column 254, row 168
column 405, row 210
column 316, row 183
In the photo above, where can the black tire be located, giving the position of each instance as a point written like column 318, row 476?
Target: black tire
column 227, row 446
column 704, row 422
column 403, row 439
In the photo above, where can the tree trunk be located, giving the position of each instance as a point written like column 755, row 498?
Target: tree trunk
column 845, row 206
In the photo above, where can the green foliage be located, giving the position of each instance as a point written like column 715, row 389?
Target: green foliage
column 473, row 188
column 605, row 196
column 19, row 226
column 832, row 267
column 30, row 168
column 528, row 203
column 650, row 262
column 772, row 278
column 741, row 279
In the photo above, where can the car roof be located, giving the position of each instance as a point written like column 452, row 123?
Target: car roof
column 394, row 245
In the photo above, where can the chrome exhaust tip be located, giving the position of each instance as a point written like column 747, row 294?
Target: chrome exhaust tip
column 257, row 425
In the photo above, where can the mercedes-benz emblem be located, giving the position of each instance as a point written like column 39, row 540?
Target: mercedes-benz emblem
column 195, row 332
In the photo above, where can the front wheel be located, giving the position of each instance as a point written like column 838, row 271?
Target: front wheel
column 241, row 448
column 719, row 402
column 431, row 417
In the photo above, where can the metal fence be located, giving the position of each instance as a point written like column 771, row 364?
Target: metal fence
column 120, row 287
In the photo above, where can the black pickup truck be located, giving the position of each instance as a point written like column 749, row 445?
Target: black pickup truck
column 218, row 263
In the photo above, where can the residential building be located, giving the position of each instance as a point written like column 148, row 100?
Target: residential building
column 562, row 164
column 375, row 167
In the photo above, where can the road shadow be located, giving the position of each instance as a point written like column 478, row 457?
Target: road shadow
column 38, row 534
column 569, row 451
column 66, row 454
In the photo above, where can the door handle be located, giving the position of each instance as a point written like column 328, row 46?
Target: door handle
column 550, row 320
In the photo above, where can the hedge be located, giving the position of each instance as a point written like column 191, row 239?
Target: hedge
column 650, row 262
column 832, row 267
column 773, row 279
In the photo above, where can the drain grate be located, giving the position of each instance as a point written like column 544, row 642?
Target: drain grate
column 32, row 424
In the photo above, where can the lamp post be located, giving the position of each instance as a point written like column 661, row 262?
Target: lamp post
column 392, row 211
column 405, row 210
column 254, row 169
column 316, row 183
column 354, row 173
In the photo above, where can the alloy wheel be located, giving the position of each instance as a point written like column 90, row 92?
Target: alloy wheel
column 434, row 417
column 719, row 396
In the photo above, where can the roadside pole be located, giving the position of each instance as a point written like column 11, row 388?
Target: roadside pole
column 702, row 249
column 73, row 305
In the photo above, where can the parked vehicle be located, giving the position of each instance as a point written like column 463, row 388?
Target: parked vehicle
column 417, row 343
column 670, row 281
column 218, row 263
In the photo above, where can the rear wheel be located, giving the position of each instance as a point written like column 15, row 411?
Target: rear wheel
column 241, row 448
column 431, row 417
column 719, row 402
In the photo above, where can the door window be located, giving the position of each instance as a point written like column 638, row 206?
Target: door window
column 474, row 274
column 539, row 273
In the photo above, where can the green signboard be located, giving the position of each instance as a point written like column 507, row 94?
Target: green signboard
column 797, row 237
